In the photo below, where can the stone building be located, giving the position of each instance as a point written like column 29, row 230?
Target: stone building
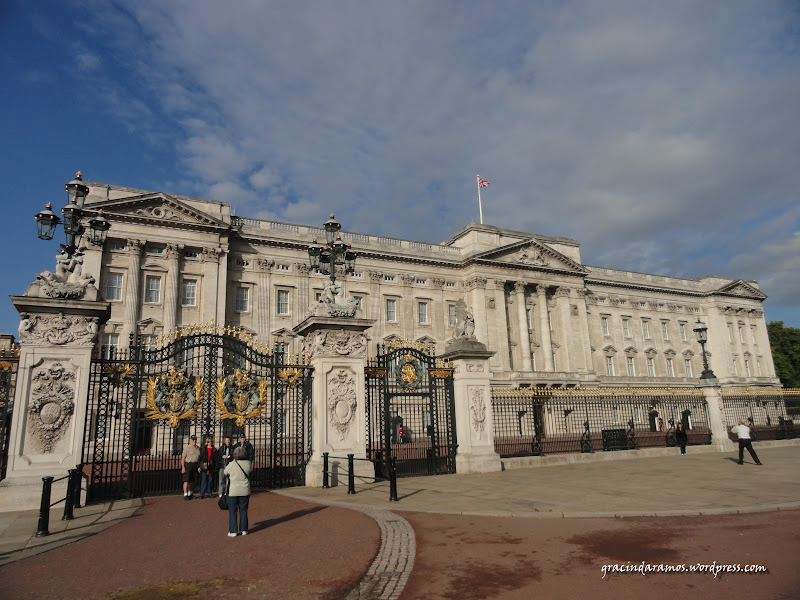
column 173, row 260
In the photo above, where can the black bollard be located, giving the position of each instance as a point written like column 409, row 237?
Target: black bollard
column 43, row 528
column 76, row 500
column 393, row 480
column 69, row 498
column 325, row 482
column 351, row 476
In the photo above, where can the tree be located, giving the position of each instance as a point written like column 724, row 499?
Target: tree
column 785, row 342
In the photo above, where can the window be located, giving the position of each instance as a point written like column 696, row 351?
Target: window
column 241, row 262
column 682, row 327
column 153, row 250
column 114, row 286
column 152, row 289
column 191, row 254
column 758, row 367
column 741, row 334
column 281, row 267
column 283, row 302
column 664, row 330
column 626, row 327
column 388, row 277
column 451, row 314
column 317, row 296
column 609, row 365
column 746, row 368
column 651, row 367
column 422, row 312
column 421, row 281
column 116, row 246
column 631, row 368
column 670, row 368
column 736, row 366
column 357, row 275
column 243, row 299
column 108, row 348
column 148, row 341
column 688, row 364
column 646, row 329
column 189, row 292
column 450, row 284
column 391, row 309
column 604, row 325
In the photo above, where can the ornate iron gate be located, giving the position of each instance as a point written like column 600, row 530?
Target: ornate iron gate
column 410, row 412
column 9, row 360
column 143, row 409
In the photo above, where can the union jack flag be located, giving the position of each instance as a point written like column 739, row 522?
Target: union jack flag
column 483, row 183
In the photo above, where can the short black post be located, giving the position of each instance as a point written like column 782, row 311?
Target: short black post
column 68, row 504
column 43, row 528
column 351, row 476
column 393, row 480
column 76, row 501
column 325, row 481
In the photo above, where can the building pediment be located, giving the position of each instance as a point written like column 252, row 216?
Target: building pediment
column 530, row 254
column 157, row 208
column 741, row 289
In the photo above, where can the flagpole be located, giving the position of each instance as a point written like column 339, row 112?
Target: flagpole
column 480, row 206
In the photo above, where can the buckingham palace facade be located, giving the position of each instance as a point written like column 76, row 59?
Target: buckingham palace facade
column 173, row 261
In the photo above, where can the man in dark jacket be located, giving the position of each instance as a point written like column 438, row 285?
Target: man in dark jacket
column 245, row 443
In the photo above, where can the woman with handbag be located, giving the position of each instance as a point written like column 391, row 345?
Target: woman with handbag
column 238, row 474
column 209, row 457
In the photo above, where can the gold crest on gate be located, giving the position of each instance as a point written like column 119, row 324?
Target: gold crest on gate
column 173, row 396
column 408, row 376
column 240, row 396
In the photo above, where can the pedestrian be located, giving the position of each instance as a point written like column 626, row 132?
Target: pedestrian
column 681, row 437
column 742, row 431
column 238, row 474
column 245, row 443
column 225, row 457
column 189, row 468
column 209, row 458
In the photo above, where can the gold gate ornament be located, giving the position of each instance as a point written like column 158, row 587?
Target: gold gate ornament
column 240, row 396
column 174, row 396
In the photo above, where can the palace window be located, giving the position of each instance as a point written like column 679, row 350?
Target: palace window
column 422, row 312
column 116, row 246
column 451, row 314
column 154, row 250
column 114, row 286
column 736, row 366
column 670, row 368
column 609, row 365
column 109, row 345
column 682, row 327
column 688, row 364
column 450, row 284
column 420, row 281
column 631, row 368
column 391, row 310
column 741, row 334
column 148, row 341
column 189, row 292
column 746, row 368
column 283, row 302
column 357, row 275
column 152, row 289
column 604, row 325
column 664, row 330
column 280, row 267
column 646, row 329
column 243, row 299
column 651, row 367
column 388, row 277
column 626, row 327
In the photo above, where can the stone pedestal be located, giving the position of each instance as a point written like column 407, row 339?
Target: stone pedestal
column 473, row 406
column 716, row 416
column 336, row 347
column 56, row 336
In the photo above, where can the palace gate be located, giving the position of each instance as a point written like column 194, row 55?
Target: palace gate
column 142, row 410
column 410, row 412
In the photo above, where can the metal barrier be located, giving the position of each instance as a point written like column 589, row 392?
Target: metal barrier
column 351, row 478
column 71, row 500
column 770, row 413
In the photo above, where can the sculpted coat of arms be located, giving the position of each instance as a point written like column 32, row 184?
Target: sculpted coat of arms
column 409, row 374
column 240, row 396
column 174, row 396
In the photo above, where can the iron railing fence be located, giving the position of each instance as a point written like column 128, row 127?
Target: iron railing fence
column 772, row 414
column 9, row 362
column 540, row 421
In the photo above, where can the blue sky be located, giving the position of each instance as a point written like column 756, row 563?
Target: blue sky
column 663, row 136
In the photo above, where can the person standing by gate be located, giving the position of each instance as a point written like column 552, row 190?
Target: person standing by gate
column 742, row 431
column 238, row 473
column 681, row 437
column 248, row 447
column 225, row 457
column 208, row 465
column 189, row 469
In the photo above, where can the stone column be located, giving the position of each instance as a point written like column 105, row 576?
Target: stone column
column 375, row 311
column 562, row 305
column 716, row 416
column 408, row 316
column 440, row 316
column 215, row 281
column 502, row 326
column 472, row 395
column 171, row 284
column 586, row 342
column 132, row 287
column 263, row 294
column 544, row 325
column 477, row 287
column 336, row 348
column 524, row 331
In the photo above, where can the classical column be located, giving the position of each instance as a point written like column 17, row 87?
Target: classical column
column 215, row 283
column 476, row 285
column 264, row 267
column 524, row 331
column 375, row 311
column 409, row 318
column 171, row 287
column 132, row 287
column 440, row 316
column 562, row 305
column 544, row 325
column 501, row 326
column 303, row 299
column 586, row 342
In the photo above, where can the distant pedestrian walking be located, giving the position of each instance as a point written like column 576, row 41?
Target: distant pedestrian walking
column 681, row 437
column 742, row 431
column 238, row 473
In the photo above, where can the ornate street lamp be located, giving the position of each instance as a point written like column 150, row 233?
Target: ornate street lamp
column 334, row 252
column 73, row 214
column 701, row 330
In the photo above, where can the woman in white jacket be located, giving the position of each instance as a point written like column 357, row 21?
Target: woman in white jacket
column 238, row 474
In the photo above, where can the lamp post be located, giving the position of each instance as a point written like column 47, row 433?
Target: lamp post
column 701, row 330
column 74, row 214
column 334, row 252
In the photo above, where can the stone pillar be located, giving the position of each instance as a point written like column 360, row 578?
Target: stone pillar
column 171, row 283
column 132, row 287
column 716, row 416
column 586, row 341
column 408, row 308
column 375, row 310
column 336, row 348
column 477, row 287
column 562, row 305
column 501, row 317
column 524, row 331
column 263, row 294
column 544, row 325
column 56, row 336
column 472, row 395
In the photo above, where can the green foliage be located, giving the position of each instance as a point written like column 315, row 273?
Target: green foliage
column 785, row 342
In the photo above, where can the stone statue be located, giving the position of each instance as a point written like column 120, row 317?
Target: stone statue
column 329, row 304
column 67, row 282
column 465, row 322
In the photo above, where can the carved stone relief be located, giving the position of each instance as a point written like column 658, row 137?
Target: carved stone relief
column 474, row 368
column 342, row 401
column 57, row 329
column 531, row 255
column 335, row 342
column 477, row 409
column 51, row 406
column 160, row 212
